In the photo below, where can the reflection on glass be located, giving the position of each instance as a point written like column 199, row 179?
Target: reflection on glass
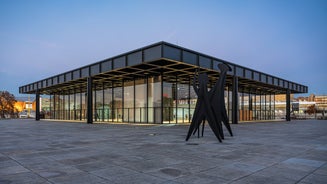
column 98, row 105
column 140, row 100
column 128, row 101
column 154, row 99
column 169, row 107
column 118, row 104
column 107, row 107
column 183, row 113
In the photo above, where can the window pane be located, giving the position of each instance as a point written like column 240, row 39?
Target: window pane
column 154, row 99
column 118, row 104
column 108, row 102
column 169, row 101
column 140, row 100
column 129, row 101
column 98, row 105
column 182, row 103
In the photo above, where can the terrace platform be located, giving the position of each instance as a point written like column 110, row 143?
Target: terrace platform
column 66, row 152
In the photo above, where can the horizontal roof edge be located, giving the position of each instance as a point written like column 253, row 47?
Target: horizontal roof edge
column 162, row 43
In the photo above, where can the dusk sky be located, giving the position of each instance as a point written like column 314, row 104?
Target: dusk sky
column 284, row 38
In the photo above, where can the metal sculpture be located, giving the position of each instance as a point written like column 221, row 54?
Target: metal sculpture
column 210, row 105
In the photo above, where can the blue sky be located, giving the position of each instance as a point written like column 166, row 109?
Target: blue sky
column 285, row 38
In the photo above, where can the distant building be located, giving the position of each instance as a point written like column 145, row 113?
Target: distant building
column 23, row 103
column 26, row 106
column 300, row 105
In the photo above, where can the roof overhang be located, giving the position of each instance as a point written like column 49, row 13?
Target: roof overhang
column 173, row 63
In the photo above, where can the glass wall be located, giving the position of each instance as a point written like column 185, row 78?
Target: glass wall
column 118, row 104
column 98, row 105
column 256, row 105
column 71, row 106
column 183, row 103
column 108, row 113
column 193, row 100
column 169, row 102
column 141, row 101
column 128, row 110
column 152, row 100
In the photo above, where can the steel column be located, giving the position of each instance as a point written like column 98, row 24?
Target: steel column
column 235, row 101
column 288, row 105
column 89, row 101
column 37, row 104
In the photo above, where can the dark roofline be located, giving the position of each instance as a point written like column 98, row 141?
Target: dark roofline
column 142, row 49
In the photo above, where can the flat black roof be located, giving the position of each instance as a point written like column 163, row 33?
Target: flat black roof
column 175, row 63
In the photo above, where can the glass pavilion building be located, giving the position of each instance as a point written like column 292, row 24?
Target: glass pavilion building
column 153, row 84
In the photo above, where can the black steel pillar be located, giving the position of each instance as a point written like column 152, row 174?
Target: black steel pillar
column 288, row 105
column 37, row 104
column 235, row 101
column 89, row 101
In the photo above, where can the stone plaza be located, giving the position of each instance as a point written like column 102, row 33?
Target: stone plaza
column 69, row 152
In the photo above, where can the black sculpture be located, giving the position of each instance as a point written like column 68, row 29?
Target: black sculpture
column 210, row 105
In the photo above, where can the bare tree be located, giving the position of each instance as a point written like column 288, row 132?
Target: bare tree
column 7, row 103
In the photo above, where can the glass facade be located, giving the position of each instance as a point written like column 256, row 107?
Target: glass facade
column 153, row 100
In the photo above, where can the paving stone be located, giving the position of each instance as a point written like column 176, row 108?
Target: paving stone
column 315, row 178
column 113, row 171
column 285, row 171
column 139, row 178
column 26, row 177
column 13, row 170
column 65, row 152
column 322, row 148
column 320, row 155
column 83, row 178
column 322, row 170
column 202, row 178
column 259, row 179
column 227, row 173
column 306, row 162
column 8, row 163
column 92, row 166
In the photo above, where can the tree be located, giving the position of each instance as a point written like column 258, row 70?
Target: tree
column 7, row 103
column 311, row 109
